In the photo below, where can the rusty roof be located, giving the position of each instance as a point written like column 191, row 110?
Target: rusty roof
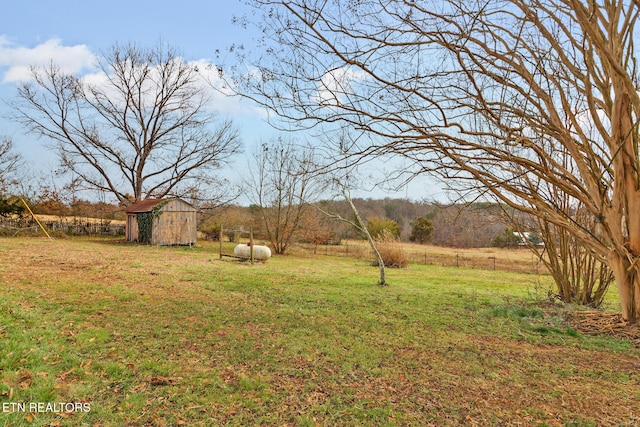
column 144, row 205
column 147, row 205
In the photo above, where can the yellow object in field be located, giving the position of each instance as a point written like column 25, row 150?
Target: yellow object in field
column 36, row 218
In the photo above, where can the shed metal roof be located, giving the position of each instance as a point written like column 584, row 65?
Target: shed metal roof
column 147, row 205
column 144, row 205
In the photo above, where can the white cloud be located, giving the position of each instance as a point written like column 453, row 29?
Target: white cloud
column 222, row 94
column 335, row 84
column 16, row 62
column 18, row 59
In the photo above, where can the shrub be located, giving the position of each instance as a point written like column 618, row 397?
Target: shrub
column 378, row 226
column 210, row 229
column 391, row 250
column 10, row 206
column 505, row 239
column 421, row 230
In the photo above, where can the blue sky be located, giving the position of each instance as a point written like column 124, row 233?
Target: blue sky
column 73, row 32
column 196, row 27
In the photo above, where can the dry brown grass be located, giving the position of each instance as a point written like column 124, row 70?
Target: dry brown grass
column 513, row 260
column 77, row 220
column 392, row 251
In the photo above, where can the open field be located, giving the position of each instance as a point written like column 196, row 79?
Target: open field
column 60, row 226
column 79, row 219
column 166, row 336
column 515, row 260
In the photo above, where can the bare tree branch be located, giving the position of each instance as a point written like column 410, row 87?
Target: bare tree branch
column 10, row 164
column 281, row 182
column 521, row 99
column 139, row 128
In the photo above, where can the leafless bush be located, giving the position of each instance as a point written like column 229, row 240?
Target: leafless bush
column 391, row 250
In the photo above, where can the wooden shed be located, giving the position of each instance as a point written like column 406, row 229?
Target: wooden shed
column 162, row 222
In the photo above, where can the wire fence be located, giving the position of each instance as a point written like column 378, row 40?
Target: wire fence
column 513, row 260
column 77, row 227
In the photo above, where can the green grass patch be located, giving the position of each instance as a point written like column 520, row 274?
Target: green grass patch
column 174, row 336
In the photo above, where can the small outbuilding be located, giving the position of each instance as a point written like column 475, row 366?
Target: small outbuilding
column 162, row 222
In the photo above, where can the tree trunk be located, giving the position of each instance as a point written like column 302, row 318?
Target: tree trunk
column 626, row 254
column 383, row 277
column 628, row 283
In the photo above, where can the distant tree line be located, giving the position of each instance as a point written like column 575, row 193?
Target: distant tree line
column 464, row 226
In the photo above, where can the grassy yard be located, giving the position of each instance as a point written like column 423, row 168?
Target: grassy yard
column 164, row 336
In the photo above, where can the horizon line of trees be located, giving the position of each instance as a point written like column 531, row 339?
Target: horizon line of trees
column 421, row 222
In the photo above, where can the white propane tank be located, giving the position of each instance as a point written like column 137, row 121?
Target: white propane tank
column 260, row 253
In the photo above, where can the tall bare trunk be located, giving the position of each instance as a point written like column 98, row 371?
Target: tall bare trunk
column 626, row 203
column 628, row 282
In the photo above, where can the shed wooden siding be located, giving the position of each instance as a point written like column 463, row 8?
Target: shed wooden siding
column 132, row 227
column 175, row 224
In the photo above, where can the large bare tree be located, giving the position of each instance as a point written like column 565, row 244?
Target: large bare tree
column 496, row 95
column 281, row 181
column 140, row 127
